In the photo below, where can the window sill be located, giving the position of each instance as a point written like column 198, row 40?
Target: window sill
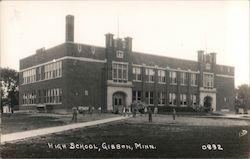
column 183, row 105
column 28, row 105
column 174, row 84
column 149, row 82
column 137, row 81
column 183, row 84
column 52, row 103
column 161, row 83
column 173, row 105
column 161, row 105
column 150, row 104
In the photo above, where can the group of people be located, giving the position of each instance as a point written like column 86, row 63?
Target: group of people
column 125, row 111
column 150, row 119
column 75, row 112
column 144, row 109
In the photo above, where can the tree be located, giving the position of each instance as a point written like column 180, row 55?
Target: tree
column 243, row 96
column 9, row 81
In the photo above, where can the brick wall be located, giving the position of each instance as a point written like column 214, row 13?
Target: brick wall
column 84, row 83
column 225, row 93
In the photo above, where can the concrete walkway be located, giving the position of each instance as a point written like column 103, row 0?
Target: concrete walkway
column 43, row 131
column 238, row 116
column 229, row 116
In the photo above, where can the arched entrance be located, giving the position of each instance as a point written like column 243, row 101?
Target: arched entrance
column 207, row 103
column 119, row 101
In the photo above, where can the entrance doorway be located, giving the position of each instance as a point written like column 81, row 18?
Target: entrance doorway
column 207, row 103
column 119, row 101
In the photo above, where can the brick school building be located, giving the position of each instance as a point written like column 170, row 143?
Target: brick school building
column 73, row 74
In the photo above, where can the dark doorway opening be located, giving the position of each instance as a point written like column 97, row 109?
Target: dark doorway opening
column 207, row 103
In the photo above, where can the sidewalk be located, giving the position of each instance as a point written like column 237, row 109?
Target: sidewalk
column 32, row 133
column 230, row 116
column 238, row 116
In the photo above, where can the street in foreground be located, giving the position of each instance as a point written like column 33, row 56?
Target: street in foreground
column 135, row 137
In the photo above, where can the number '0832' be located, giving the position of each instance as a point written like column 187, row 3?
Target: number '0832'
column 212, row 147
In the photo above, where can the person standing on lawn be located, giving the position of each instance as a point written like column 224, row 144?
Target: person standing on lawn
column 99, row 110
column 133, row 107
column 149, row 115
column 145, row 110
column 174, row 113
column 124, row 110
column 74, row 118
column 155, row 110
column 92, row 110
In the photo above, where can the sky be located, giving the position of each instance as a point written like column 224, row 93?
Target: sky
column 170, row 28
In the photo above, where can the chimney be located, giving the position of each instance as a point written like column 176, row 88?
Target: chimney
column 69, row 37
column 213, row 56
column 109, row 40
column 200, row 56
column 128, row 41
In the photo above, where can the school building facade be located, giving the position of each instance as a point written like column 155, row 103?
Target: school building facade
column 73, row 74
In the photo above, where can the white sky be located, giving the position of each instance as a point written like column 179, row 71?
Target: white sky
column 170, row 28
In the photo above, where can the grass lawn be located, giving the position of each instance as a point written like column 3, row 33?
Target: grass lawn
column 29, row 121
column 182, row 138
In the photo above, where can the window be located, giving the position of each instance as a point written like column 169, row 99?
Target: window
column 208, row 66
column 183, row 99
column 221, row 68
column 93, row 50
column 172, row 99
column 193, row 99
column 150, row 73
column 184, row 78
column 118, row 101
column 137, row 74
column 29, row 98
column 173, row 78
column 136, row 96
column 79, row 48
column 39, row 96
column 161, row 98
column 60, row 95
column 45, row 95
column 24, row 98
column 161, row 76
column 29, row 76
column 123, row 44
column 193, row 79
column 53, row 70
column 119, row 54
column 150, row 98
column 120, row 72
column 208, row 80
column 39, row 76
column 53, row 95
